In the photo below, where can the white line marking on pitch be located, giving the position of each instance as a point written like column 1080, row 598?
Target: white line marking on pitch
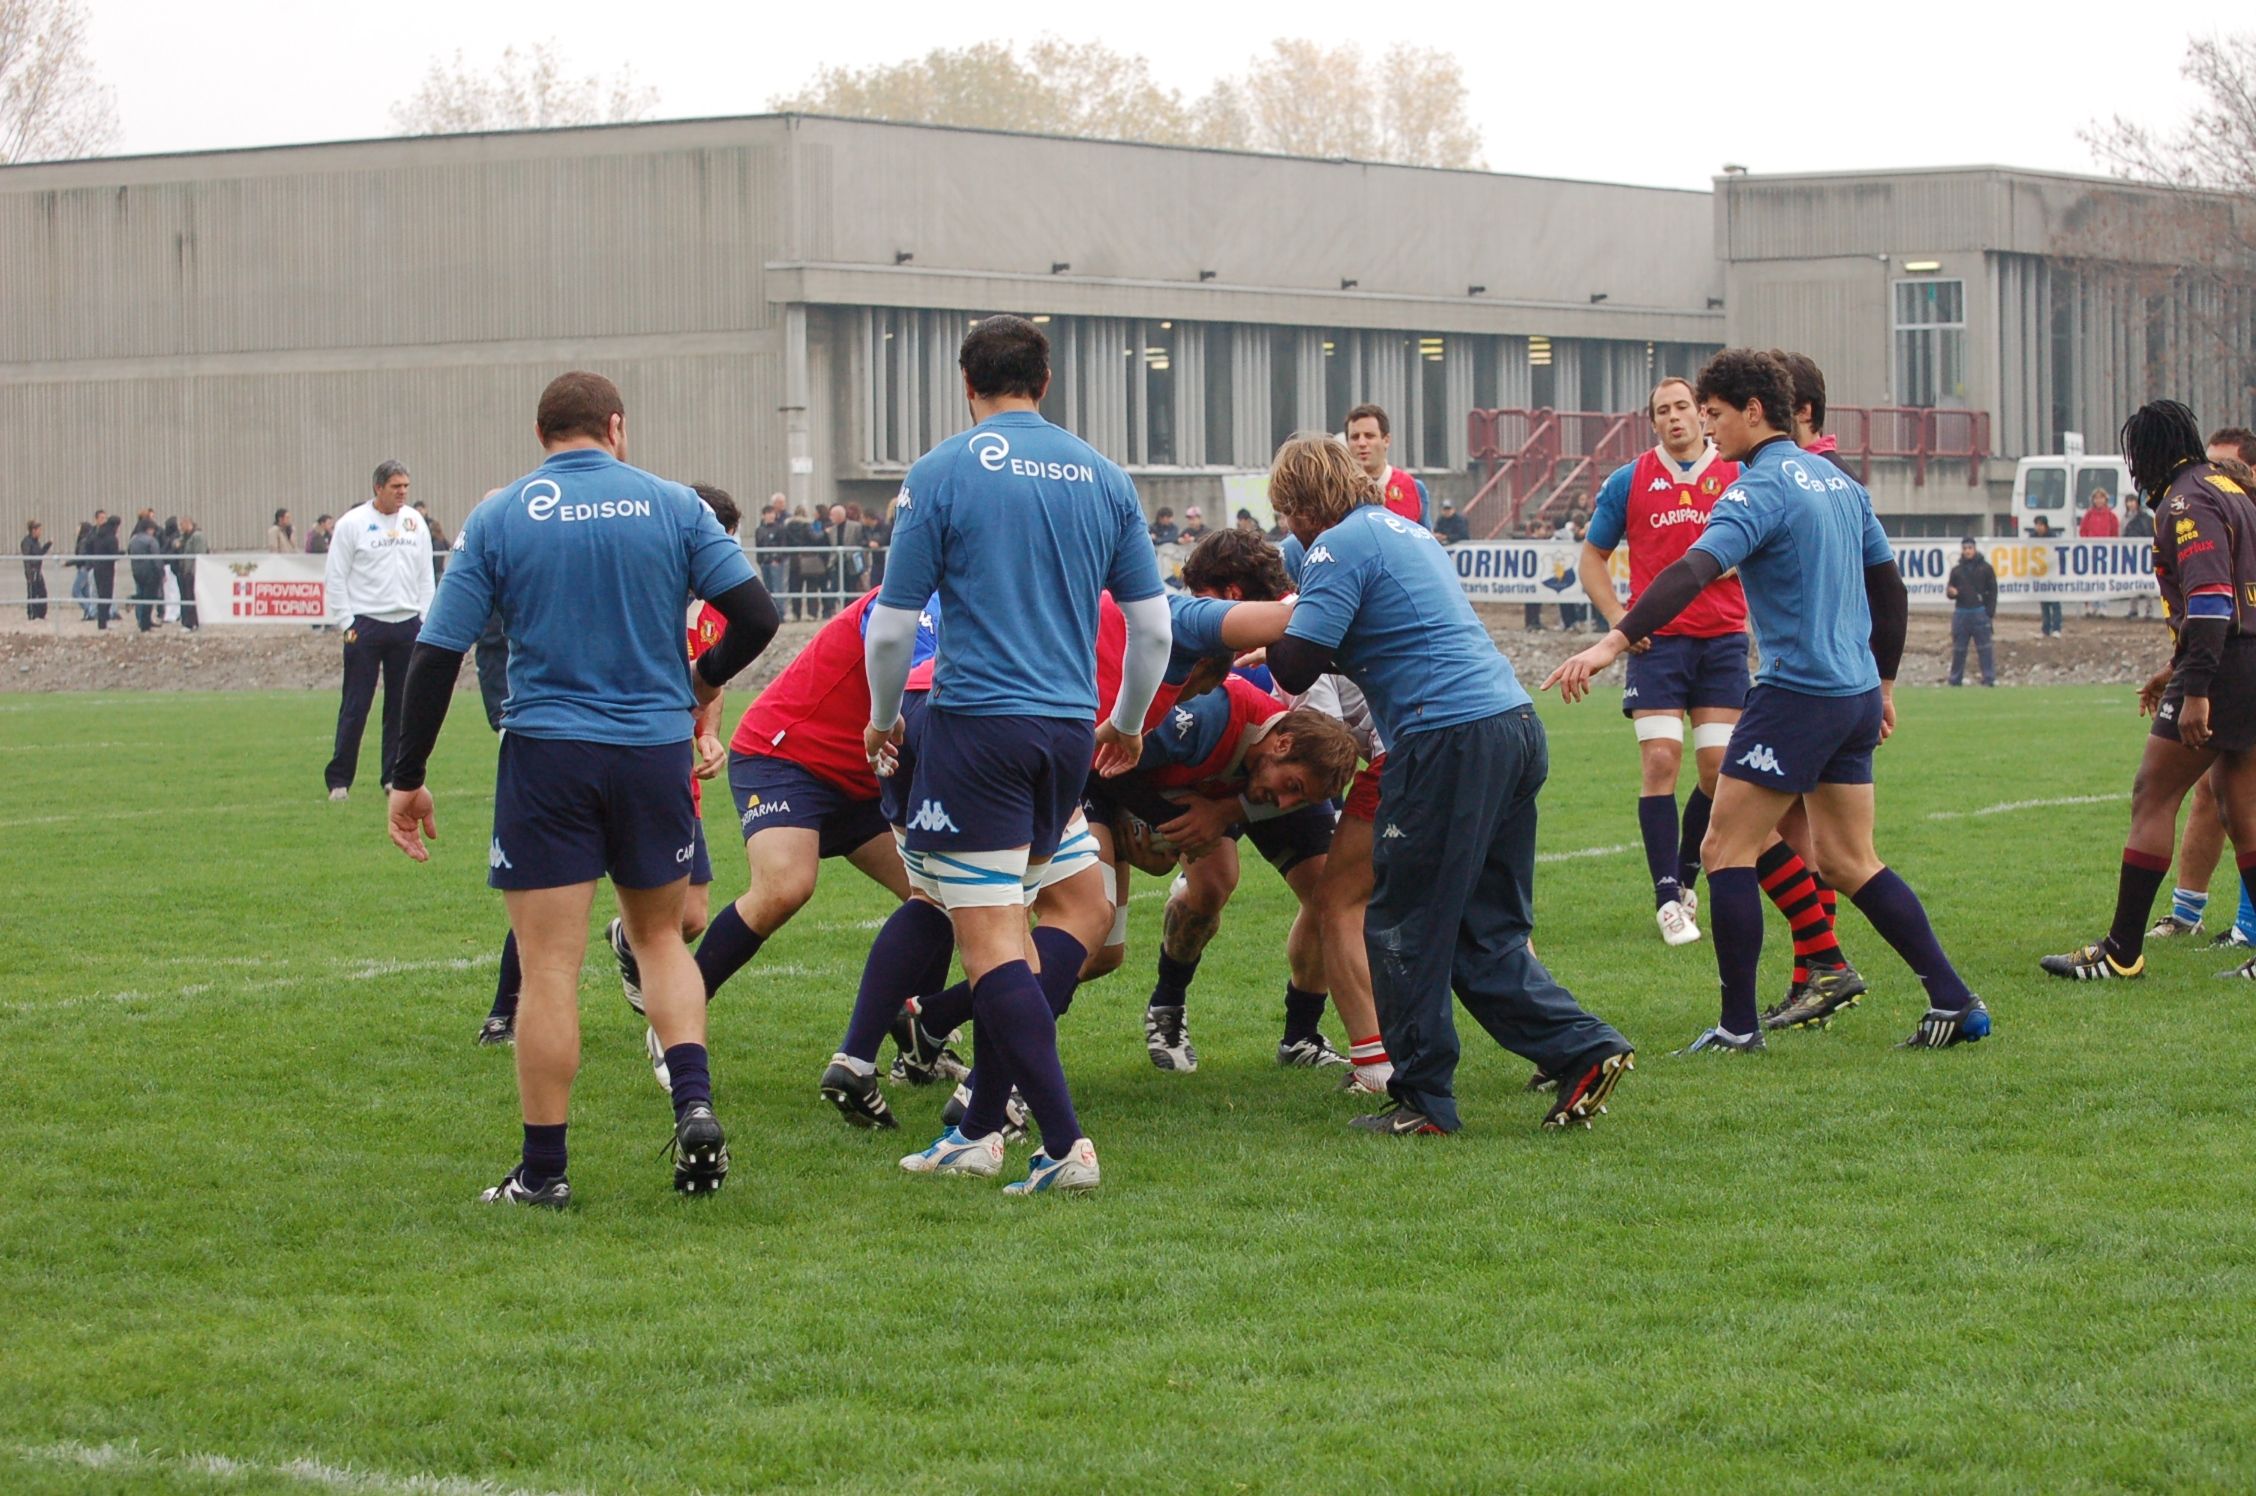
column 132, row 1459
column 2005, row 806
column 1580, row 852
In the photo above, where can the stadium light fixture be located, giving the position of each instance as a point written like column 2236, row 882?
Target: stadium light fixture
column 1596, row 297
column 1715, row 303
column 1917, row 267
column 903, row 256
column 1349, row 283
column 1207, row 275
column 1476, row 290
column 1059, row 267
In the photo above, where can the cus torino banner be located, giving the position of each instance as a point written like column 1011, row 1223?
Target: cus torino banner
column 261, row 587
column 2062, row 570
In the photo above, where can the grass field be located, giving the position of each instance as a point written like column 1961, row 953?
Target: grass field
column 243, row 1126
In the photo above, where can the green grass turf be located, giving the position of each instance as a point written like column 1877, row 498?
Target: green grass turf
column 243, row 1126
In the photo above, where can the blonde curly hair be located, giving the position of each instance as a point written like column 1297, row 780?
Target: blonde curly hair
column 1313, row 476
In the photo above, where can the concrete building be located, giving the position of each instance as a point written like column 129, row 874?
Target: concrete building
column 225, row 333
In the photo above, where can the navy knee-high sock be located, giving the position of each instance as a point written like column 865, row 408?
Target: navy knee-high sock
column 1013, row 1020
column 1735, row 922
column 898, row 960
column 1894, row 910
column 1656, row 824
column 511, row 979
column 544, row 1153
column 1696, row 808
column 2135, row 888
column 1062, row 958
column 1173, row 989
column 728, row 944
column 691, row 1071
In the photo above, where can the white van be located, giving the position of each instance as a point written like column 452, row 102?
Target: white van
column 2060, row 489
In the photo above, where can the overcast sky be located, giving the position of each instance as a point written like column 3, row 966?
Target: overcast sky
column 1627, row 92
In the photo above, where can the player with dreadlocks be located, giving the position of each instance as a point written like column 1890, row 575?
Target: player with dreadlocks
column 2205, row 564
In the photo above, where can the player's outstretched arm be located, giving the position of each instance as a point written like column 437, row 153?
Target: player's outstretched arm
column 752, row 624
column 1671, row 593
column 1255, row 625
column 1890, row 603
column 426, row 695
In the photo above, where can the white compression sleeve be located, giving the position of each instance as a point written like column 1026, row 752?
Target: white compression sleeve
column 1150, row 638
column 886, row 650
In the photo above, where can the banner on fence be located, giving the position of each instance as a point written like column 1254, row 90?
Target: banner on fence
column 261, row 587
column 2066, row 570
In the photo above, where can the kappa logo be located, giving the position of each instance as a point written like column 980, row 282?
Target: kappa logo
column 1658, row 485
column 933, row 816
column 496, row 858
column 1626, row 695
column 1184, row 721
column 1760, row 759
column 902, row 501
column 1320, row 554
column 1733, row 496
column 1392, row 833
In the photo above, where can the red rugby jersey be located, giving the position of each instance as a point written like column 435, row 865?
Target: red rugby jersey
column 814, row 712
column 1401, row 496
column 1667, row 513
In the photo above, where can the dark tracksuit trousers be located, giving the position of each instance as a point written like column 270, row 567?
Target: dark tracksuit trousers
column 1454, row 860
column 372, row 648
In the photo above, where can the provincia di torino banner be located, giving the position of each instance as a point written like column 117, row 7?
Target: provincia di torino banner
column 262, row 587
column 2062, row 570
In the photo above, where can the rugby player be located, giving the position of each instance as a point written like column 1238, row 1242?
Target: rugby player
column 1829, row 613
column 1370, row 436
column 803, row 793
column 1018, row 526
column 706, row 625
column 2205, row 714
column 588, row 560
column 2233, row 448
column 1250, row 770
column 1454, row 856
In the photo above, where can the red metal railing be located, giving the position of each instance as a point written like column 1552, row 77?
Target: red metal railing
column 1541, row 463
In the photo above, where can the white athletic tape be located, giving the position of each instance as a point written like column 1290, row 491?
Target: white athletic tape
column 969, row 880
column 1712, row 735
column 1118, row 935
column 1653, row 729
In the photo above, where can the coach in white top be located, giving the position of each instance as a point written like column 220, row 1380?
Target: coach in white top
column 379, row 585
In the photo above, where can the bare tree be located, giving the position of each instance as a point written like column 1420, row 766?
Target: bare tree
column 1299, row 98
column 52, row 107
column 522, row 91
column 2216, row 147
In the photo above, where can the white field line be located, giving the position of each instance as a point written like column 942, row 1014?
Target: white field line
column 2006, row 807
column 73, row 747
column 1582, row 852
column 132, row 1459
column 307, row 808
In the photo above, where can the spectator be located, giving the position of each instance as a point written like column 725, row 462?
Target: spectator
column 82, row 584
column 281, row 536
column 803, row 535
column 148, row 572
column 2139, row 523
column 439, row 541
column 845, row 571
column 1246, row 522
column 103, row 547
column 1973, row 593
column 1571, row 615
column 2048, row 613
column 34, row 551
column 321, row 536
column 1449, row 526
column 767, row 544
column 1163, row 530
column 192, row 545
column 877, row 535
column 1194, row 527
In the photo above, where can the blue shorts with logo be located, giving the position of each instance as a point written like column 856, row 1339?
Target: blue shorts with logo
column 988, row 784
column 1679, row 673
column 569, row 812
column 1792, row 741
column 771, row 791
column 700, row 861
column 1293, row 838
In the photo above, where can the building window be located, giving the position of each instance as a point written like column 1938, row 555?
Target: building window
column 1284, row 385
column 1159, row 393
column 1433, row 402
column 1543, row 379
column 1220, row 404
column 1931, row 343
column 1340, row 351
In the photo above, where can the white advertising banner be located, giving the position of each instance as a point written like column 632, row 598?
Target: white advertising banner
column 2066, row 570
column 261, row 587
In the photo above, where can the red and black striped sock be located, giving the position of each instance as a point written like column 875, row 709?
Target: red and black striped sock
column 1794, row 889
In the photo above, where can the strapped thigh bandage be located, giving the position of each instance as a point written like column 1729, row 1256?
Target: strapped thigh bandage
column 1652, row 729
column 1712, row 735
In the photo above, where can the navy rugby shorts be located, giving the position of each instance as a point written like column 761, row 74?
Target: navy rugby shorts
column 1679, row 673
column 771, row 791
column 568, row 812
column 1792, row 741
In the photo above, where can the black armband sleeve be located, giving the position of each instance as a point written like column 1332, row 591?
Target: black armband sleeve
column 752, row 624
column 2201, row 648
column 427, row 694
column 1891, row 615
column 1296, row 663
column 1669, row 594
